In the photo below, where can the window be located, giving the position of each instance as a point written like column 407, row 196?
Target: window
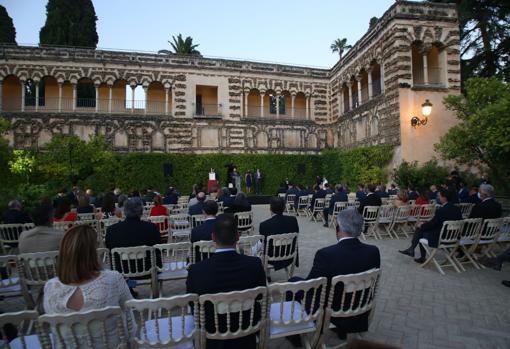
column 272, row 104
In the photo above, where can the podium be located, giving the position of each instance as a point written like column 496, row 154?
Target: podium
column 212, row 181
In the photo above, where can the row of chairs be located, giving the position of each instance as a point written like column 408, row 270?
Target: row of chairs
column 187, row 321
column 462, row 242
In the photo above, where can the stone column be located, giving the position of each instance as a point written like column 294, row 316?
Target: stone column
column 74, row 96
column 36, row 83
column 358, row 79
column 370, row 87
column 60, row 87
column 278, row 105
column 166, row 100
column 292, row 104
column 262, row 94
column 145, row 88
column 246, row 94
column 110, row 93
column 133, row 87
column 22, row 95
column 97, row 97
column 425, row 70
column 1, row 93
column 349, row 105
column 307, row 106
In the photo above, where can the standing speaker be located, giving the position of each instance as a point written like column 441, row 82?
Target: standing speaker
column 301, row 169
column 168, row 170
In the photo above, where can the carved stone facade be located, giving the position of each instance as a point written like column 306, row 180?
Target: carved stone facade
column 196, row 104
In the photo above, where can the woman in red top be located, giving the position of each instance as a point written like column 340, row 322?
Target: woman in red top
column 63, row 211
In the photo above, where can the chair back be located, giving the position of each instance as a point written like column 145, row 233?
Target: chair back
column 472, row 229
column 133, row 262
column 233, row 314
column 352, row 294
column 427, row 212
column 370, row 213
column 385, row 214
column 23, row 323
column 197, row 219
column 9, row 283
column 465, row 209
column 98, row 328
column 295, row 305
column 244, row 221
column 251, row 245
column 166, row 322
column 490, row 229
column 402, row 214
column 281, row 247
column 174, row 256
column 205, row 248
column 450, row 233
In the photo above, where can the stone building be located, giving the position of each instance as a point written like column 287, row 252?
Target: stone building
column 160, row 103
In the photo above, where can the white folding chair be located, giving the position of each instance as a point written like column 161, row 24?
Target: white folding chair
column 302, row 207
column 252, row 245
column 34, row 269
column 10, row 283
column 370, row 214
column 281, row 248
column 98, row 328
column 339, row 206
column 489, row 235
column 297, row 308
column 166, row 322
column 448, row 243
column 399, row 223
column 162, row 224
column 180, row 227
column 202, row 250
column 290, row 202
column 244, row 222
column 385, row 216
column 232, row 308
column 174, row 261
column 316, row 211
column 136, row 263
column 468, row 241
column 465, row 209
column 9, row 236
column 23, row 322
column 351, row 295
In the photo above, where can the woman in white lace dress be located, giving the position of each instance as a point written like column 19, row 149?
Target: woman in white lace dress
column 81, row 283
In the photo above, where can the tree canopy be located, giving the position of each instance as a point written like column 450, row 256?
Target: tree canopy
column 182, row 46
column 340, row 45
column 482, row 136
column 70, row 23
column 7, row 30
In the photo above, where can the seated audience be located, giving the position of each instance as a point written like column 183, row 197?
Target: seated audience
column 226, row 271
column 63, row 211
column 171, row 197
column 82, row 284
column 43, row 237
column 430, row 230
column 402, row 199
column 84, row 205
column 339, row 196
column 15, row 213
column 158, row 209
column 279, row 224
column 198, row 206
column 371, row 199
column 348, row 256
column 488, row 207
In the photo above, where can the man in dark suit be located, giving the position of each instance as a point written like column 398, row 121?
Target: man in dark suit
column 372, row 199
column 203, row 232
column 226, row 271
column 430, row 230
column 199, row 206
column 132, row 231
column 488, row 207
column 347, row 256
column 279, row 224
column 339, row 196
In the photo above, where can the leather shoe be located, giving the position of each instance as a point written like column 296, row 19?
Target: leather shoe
column 407, row 252
column 420, row 260
column 295, row 340
column 506, row 283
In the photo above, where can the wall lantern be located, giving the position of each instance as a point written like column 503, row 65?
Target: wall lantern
column 426, row 109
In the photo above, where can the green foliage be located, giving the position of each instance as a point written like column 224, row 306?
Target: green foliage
column 340, row 45
column 182, row 46
column 361, row 165
column 22, row 163
column 482, row 136
column 7, row 30
column 69, row 23
column 411, row 174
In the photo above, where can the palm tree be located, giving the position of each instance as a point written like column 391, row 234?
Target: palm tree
column 182, row 46
column 340, row 45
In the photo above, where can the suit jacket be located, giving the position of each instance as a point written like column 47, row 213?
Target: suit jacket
column 196, row 208
column 203, row 232
column 225, row 272
column 337, row 197
column 432, row 228
column 369, row 200
column 349, row 256
column 132, row 232
column 487, row 209
column 279, row 224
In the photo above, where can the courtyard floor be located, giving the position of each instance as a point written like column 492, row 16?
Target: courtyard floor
column 416, row 307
